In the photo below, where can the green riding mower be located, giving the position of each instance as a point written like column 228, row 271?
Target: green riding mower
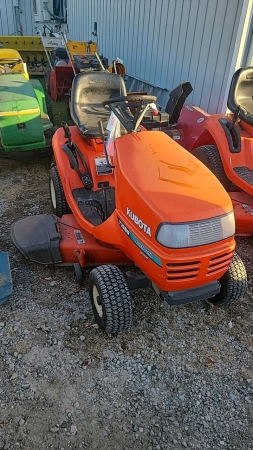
column 26, row 126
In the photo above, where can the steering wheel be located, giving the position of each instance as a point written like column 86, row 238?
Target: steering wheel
column 120, row 106
column 10, row 62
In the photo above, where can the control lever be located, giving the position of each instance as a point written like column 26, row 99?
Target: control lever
column 235, row 117
column 67, row 132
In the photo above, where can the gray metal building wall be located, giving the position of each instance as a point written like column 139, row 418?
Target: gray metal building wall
column 8, row 24
column 165, row 42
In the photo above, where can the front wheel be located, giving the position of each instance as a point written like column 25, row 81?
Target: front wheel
column 78, row 271
column 110, row 299
column 233, row 283
column 210, row 156
column 58, row 199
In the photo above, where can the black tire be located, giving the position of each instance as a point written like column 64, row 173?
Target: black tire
column 78, row 273
column 50, row 132
column 49, row 107
column 70, row 121
column 110, row 299
column 50, row 113
column 209, row 155
column 233, row 283
column 47, row 80
column 57, row 196
column 49, row 136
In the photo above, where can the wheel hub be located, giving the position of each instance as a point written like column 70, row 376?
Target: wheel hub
column 52, row 192
column 97, row 301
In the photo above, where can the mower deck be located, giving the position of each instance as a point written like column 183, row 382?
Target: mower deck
column 47, row 239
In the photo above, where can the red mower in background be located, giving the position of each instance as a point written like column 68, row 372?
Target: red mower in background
column 224, row 143
column 71, row 58
column 67, row 62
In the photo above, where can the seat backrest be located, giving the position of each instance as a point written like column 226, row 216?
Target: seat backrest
column 89, row 90
column 241, row 94
column 96, row 87
column 176, row 101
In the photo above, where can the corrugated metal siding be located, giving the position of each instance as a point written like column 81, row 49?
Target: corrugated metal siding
column 27, row 17
column 8, row 24
column 7, row 20
column 165, row 42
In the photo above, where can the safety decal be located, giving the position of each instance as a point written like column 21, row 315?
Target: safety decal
column 79, row 237
column 145, row 250
column 102, row 167
column 175, row 135
column 247, row 208
column 189, row 108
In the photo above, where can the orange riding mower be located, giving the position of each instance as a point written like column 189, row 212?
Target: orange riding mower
column 149, row 204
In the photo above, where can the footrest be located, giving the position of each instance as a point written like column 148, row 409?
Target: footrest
column 192, row 295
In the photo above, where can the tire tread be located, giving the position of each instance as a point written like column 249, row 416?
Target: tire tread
column 236, row 283
column 62, row 206
column 116, row 297
column 210, row 156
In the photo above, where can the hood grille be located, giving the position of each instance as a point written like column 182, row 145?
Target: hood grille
column 190, row 270
column 205, row 232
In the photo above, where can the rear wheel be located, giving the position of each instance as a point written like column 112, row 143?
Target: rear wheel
column 58, row 199
column 233, row 283
column 209, row 155
column 110, row 299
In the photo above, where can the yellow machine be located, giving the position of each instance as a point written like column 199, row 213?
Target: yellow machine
column 81, row 48
column 11, row 61
column 30, row 48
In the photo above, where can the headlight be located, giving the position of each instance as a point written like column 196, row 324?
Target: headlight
column 194, row 234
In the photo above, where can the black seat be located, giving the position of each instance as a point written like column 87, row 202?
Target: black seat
column 89, row 90
column 61, row 53
column 241, row 94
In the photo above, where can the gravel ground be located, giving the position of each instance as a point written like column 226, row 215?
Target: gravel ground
column 181, row 378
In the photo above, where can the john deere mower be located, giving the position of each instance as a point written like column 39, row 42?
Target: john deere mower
column 25, row 127
column 150, row 204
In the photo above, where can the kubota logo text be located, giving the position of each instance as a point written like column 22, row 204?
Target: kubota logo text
column 143, row 226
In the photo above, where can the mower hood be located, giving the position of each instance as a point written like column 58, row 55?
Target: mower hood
column 20, row 115
column 160, row 179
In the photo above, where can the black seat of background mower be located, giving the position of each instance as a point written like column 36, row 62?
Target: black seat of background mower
column 89, row 90
column 176, row 101
column 241, row 94
column 61, row 53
